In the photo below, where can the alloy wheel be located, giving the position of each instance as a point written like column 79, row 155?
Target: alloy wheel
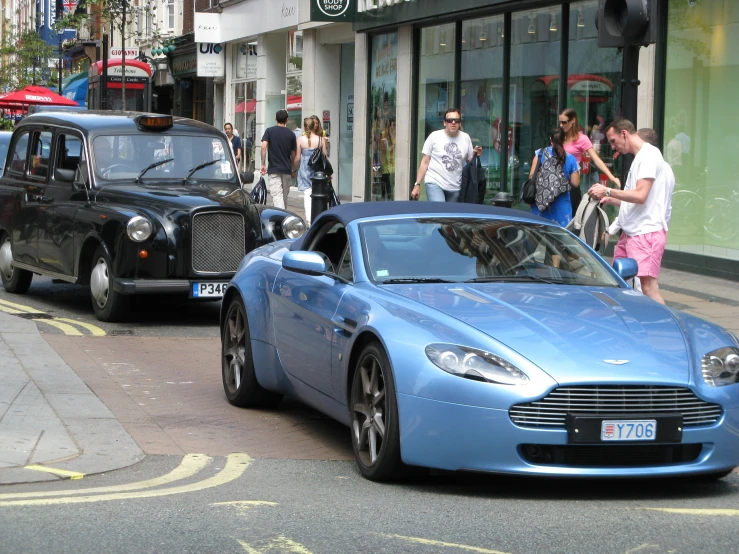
column 369, row 408
column 6, row 260
column 100, row 282
column 234, row 351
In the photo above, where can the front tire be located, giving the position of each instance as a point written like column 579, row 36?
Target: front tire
column 374, row 417
column 108, row 304
column 14, row 280
column 237, row 363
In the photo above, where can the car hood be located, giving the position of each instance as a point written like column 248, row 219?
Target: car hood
column 610, row 334
column 172, row 195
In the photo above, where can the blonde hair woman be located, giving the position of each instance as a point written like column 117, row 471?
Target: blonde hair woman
column 312, row 138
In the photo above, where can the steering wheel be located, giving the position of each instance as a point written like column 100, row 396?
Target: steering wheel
column 105, row 173
column 525, row 264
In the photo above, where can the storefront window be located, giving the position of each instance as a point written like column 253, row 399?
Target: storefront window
column 436, row 87
column 383, row 91
column 593, row 85
column 294, row 82
column 245, row 99
column 534, row 96
column 700, row 135
column 482, row 90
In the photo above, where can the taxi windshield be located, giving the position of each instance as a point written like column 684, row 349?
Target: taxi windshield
column 148, row 157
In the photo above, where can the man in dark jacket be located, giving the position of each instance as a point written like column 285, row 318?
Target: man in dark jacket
column 474, row 183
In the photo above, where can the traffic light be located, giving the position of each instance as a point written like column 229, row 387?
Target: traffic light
column 626, row 23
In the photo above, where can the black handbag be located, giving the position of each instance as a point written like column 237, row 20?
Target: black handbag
column 528, row 191
column 259, row 192
column 319, row 162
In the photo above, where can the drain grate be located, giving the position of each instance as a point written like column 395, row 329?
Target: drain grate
column 119, row 332
column 35, row 316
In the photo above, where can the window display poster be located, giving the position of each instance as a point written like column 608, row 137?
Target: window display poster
column 382, row 101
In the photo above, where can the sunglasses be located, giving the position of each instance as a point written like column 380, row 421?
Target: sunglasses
column 453, row 120
column 565, row 122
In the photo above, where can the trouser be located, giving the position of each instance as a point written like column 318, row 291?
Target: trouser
column 279, row 188
column 307, row 200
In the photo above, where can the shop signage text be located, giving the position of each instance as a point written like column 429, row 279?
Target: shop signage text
column 211, row 60
column 131, row 52
column 184, row 65
column 368, row 5
column 332, row 10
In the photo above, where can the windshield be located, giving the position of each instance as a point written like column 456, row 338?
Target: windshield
column 436, row 249
column 127, row 157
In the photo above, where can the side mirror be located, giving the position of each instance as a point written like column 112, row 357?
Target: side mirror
column 308, row 263
column 64, row 175
column 627, row 268
column 247, row 177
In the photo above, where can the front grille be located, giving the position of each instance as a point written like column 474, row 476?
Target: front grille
column 611, row 455
column 614, row 400
column 218, row 240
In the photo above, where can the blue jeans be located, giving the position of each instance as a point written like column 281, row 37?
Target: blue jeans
column 434, row 193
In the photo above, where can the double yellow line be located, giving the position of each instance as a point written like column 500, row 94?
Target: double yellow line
column 66, row 325
column 191, row 464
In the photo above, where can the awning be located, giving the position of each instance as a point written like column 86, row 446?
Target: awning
column 294, row 103
column 33, row 95
column 77, row 91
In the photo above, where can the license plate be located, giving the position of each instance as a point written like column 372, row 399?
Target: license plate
column 628, row 430
column 208, row 290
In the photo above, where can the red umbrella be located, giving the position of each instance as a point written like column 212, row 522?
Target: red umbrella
column 34, row 95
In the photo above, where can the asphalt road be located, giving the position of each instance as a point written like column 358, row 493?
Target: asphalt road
column 303, row 507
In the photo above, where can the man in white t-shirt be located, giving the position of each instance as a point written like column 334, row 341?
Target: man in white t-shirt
column 444, row 154
column 644, row 204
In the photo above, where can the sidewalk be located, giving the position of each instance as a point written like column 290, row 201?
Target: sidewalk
column 48, row 415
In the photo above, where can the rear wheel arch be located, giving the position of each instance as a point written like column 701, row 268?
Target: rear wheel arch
column 84, row 263
column 231, row 293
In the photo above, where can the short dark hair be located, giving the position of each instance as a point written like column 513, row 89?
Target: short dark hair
column 649, row 135
column 281, row 116
column 227, row 123
column 450, row 110
column 622, row 124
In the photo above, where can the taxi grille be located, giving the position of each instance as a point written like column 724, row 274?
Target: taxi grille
column 550, row 411
column 218, row 242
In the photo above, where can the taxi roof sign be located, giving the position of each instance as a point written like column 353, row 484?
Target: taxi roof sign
column 154, row 122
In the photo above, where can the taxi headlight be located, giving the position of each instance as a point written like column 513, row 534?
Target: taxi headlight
column 475, row 364
column 139, row 228
column 721, row 367
column 293, row 227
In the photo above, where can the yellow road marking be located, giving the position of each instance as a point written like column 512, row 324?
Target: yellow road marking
column 281, row 544
column 61, row 472
column 94, row 329
column 243, row 505
column 190, row 465
column 419, row 540
column 67, row 329
column 697, row 511
column 11, row 310
column 235, row 466
column 21, row 307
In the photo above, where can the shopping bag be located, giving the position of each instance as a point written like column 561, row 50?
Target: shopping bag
column 333, row 199
column 319, row 162
column 259, row 192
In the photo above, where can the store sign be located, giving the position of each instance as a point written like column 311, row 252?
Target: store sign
column 332, row 10
column 184, row 65
column 134, row 74
column 368, row 5
column 207, row 27
column 131, row 52
column 211, row 60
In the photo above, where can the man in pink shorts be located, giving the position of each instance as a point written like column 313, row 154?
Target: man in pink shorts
column 644, row 204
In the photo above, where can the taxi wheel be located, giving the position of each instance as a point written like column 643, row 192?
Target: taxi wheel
column 237, row 363
column 374, row 418
column 14, row 280
column 108, row 304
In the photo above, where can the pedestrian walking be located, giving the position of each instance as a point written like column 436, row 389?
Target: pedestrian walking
column 579, row 145
column 306, row 145
column 559, row 210
column 444, row 155
column 644, row 204
column 280, row 144
column 234, row 140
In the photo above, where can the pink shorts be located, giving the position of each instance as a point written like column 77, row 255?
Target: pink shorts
column 646, row 249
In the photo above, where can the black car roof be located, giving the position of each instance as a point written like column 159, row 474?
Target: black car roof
column 98, row 121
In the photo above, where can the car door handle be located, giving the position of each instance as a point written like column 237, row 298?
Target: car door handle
column 40, row 198
column 344, row 325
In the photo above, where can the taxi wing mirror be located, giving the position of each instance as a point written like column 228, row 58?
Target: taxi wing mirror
column 62, row 175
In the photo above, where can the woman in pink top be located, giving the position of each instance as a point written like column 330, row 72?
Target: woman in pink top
column 578, row 144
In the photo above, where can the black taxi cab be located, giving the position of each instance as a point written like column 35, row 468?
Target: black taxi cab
column 128, row 203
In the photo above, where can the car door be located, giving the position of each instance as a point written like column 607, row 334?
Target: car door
column 61, row 201
column 303, row 307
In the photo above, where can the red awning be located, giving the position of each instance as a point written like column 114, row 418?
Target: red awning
column 33, row 95
column 294, row 103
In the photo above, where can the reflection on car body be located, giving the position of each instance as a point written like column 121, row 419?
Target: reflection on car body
column 465, row 337
column 128, row 204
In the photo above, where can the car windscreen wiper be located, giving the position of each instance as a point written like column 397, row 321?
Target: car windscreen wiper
column 201, row 166
column 415, row 280
column 152, row 166
column 518, row 278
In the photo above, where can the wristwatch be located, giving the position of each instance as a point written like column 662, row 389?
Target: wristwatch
column 416, row 184
column 608, row 192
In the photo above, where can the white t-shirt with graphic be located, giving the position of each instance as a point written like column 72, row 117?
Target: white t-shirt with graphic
column 448, row 156
column 654, row 214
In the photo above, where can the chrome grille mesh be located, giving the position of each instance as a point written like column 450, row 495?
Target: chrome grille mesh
column 550, row 411
column 218, row 240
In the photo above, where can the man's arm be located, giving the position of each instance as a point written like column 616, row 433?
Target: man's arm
column 638, row 195
column 263, row 155
column 416, row 191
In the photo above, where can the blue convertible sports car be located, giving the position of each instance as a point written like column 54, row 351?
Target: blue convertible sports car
column 464, row 337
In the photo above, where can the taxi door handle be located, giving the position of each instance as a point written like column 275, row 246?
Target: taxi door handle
column 42, row 199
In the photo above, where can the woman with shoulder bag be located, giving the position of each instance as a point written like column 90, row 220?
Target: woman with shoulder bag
column 560, row 209
column 311, row 139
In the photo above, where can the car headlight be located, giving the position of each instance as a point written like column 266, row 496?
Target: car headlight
column 139, row 228
column 721, row 367
column 472, row 363
column 293, row 227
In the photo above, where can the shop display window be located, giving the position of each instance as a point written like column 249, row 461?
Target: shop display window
column 382, row 104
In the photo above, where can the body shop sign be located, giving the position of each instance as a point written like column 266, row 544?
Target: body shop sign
column 332, row 10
